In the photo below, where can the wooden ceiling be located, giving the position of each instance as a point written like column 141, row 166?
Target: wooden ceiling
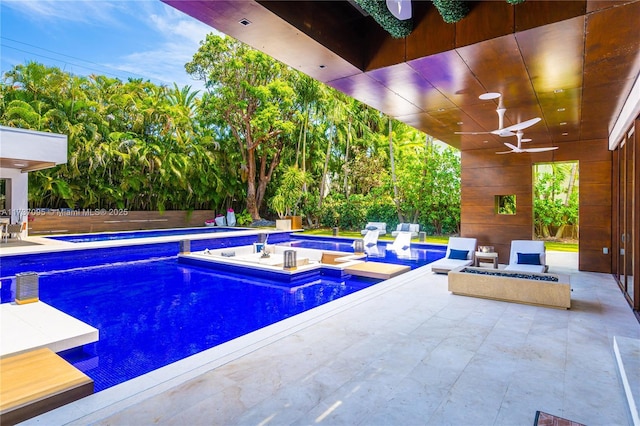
column 572, row 63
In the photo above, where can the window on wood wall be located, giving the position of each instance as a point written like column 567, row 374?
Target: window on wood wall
column 505, row 204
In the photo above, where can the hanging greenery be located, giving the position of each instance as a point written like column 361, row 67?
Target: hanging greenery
column 379, row 11
column 515, row 1
column 452, row 10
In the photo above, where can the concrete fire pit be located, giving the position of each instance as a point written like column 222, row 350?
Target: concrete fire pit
column 553, row 290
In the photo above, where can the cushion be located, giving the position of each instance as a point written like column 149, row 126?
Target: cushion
column 529, row 258
column 404, row 227
column 458, row 254
column 371, row 228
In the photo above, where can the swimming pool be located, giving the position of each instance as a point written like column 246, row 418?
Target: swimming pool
column 127, row 235
column 152, row 311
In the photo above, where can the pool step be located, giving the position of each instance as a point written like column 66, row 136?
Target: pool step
column 38, row 381
column 378, row 270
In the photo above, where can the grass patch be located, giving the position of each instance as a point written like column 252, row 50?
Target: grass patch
column 434, row 239
column 560, row 246
column 327, row 232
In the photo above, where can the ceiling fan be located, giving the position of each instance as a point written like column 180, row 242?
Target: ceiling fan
column 518, row 149
column 501, row 130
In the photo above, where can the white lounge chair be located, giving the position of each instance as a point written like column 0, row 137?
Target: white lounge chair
column 527, row 256
column 401, row 245
column 371, row 244
column 460, row 252
column 381, row 227
column 371, row 238
column 414, row 228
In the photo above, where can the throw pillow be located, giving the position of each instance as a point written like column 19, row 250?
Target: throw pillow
column 404, row 227
column 458, row 254
column 529, row 258
column 371, row 228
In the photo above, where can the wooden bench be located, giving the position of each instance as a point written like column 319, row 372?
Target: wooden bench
column 38, row 381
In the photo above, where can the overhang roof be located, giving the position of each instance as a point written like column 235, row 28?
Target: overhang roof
column 29, row 150
column 572, row 63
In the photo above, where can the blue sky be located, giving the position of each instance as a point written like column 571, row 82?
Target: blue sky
column 139, row 39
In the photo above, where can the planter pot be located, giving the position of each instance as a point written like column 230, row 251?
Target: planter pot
column 296, row 221
column 283, row 224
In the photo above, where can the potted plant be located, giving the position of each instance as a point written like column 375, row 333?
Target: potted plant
column 288, row 195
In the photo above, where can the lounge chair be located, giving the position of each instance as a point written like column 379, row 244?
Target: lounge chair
column 371, row 238
column 381, row 227
column 414, row 228
column 459, row 253
column 371, row 244
column 402, row 244
column 14, row 231
column 527, row 256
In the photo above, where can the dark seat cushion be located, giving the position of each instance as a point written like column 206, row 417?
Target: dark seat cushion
column 458, row 254
column 529, row 258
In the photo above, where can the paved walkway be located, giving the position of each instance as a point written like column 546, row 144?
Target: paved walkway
column 405, row 352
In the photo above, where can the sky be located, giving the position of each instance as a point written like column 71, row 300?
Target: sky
column 119, row 38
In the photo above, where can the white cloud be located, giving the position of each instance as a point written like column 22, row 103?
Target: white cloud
column 63, row 10
column 176, row 38
column 162, row 39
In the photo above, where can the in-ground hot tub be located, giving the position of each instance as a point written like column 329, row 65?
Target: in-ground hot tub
column 553, row 290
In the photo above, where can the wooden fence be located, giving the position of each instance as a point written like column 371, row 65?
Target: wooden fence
column 100, row 220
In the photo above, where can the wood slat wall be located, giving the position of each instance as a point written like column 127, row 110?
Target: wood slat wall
column 486, row 175
column 74, row 222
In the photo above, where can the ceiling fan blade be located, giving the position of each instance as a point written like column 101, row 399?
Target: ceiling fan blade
column 502, row 133
column 504, row 152
column 489, row 95
column 526, row 140
column 472, row 133
column 523, row 125
column 513, row 147
column 551, row 148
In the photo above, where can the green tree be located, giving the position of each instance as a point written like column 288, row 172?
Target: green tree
column 253, row 96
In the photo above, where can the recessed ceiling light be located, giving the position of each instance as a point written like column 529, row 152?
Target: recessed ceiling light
column 19, row 164
column 558, row 91
column 564, row 123
column 485, row 141
column 459, row 123
column 560, row 109
column 322, row 66
column 565, row 134
column 440, row 109
column 245, row 21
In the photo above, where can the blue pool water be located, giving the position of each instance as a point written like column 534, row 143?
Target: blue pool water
column 107, row 236
column 152, row 311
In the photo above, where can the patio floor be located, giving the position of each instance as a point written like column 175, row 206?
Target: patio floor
column 403, row 352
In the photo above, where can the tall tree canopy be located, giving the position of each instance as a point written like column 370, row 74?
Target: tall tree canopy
column 262, row 137
column 252, row 95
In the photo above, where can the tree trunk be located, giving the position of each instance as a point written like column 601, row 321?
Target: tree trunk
column 572, row 182
column 325, row 170
column 252, row 204
column 346, row 162
column 393, row 173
